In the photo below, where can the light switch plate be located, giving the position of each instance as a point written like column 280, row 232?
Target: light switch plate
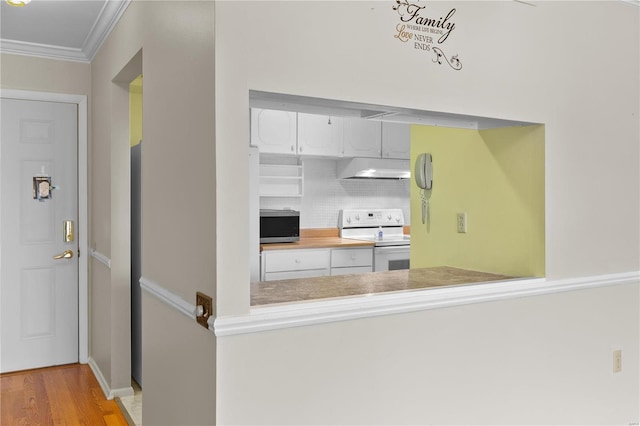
column 462, row 223
column 617, row 361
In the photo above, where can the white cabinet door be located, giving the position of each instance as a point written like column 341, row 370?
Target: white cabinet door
column 273, row 131
column 396, row 140
column 319, row 135
column 362, row 138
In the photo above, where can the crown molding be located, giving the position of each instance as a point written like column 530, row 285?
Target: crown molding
column 106, row 22
column 109, row 16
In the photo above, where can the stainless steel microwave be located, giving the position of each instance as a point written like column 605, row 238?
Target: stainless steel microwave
column 279, row 226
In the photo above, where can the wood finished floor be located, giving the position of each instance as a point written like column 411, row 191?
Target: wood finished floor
column 62, row 395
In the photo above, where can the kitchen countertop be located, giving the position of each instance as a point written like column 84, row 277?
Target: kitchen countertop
column 298, row 290
column 317, row 242
column 318, row 238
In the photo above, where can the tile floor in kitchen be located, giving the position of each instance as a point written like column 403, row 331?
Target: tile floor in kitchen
column 131, row 406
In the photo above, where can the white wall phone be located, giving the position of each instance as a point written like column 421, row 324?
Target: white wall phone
column 423, row 173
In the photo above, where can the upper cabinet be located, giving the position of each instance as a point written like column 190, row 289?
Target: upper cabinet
column 396, row 140
column 361, row 138
column 320, row 135
column 273, row 131
column 297, row 133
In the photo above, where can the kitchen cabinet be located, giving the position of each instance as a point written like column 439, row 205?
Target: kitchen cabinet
column 319, row 135
column 396, row 140
column 281, row 180
column 288, row 132
column 294, row 263
column 351, row 261
column 274, row 131
column 362, row 138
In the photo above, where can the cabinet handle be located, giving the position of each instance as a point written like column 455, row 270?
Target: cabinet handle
column 297, row 260
column 300, row 148
column 291, row 148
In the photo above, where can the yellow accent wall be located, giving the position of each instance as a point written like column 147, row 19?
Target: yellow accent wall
column 135, row 111
column 494, row 176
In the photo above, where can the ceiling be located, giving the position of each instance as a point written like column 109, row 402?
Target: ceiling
column 69, row 29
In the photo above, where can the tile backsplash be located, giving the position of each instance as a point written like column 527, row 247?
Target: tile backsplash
column 325, row 195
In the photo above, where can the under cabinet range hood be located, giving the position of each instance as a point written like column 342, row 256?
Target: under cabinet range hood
column 373, row 168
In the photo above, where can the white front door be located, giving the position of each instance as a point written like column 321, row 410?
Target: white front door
column 38, row 294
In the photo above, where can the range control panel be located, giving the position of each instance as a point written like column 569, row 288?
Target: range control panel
column 357, row 218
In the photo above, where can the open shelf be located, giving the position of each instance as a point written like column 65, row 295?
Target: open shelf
column 281, row 180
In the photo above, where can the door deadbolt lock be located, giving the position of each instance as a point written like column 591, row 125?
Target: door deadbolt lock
column 67, row 231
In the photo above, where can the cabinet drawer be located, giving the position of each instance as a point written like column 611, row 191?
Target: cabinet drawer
column 351, row 257
column 295, row 260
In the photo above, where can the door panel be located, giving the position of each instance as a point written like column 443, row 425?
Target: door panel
column 38, row 295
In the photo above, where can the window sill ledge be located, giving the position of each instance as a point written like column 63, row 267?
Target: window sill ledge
column 282, row 316
column 275, row 317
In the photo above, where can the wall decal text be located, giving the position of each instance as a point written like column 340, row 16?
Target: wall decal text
column 425, row 32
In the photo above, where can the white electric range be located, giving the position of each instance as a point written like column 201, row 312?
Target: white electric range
column 391, row 250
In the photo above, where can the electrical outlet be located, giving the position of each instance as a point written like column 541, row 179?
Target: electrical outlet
column 617, row 361
column 204, row 306
column 462, row 223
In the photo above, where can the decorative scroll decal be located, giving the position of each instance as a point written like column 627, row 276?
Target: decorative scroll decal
column 454, row 62
column 423, row 31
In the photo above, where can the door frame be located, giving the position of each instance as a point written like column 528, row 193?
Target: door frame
column 83, row 212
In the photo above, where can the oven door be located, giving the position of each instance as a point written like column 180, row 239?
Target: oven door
column 390, row 258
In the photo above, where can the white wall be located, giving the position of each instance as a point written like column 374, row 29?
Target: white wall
column 46, row 75
column 175, row 41
column 538, row 360
column 555, row 63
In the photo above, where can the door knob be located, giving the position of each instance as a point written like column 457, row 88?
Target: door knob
column 67, row 254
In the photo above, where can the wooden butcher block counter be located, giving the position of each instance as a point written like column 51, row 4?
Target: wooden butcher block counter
column 298, row 290
column 321, row 238
column 317, row 238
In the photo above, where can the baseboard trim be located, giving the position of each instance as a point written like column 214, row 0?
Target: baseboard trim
column 303, row 314
column 106, row 390
column 101, row 258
